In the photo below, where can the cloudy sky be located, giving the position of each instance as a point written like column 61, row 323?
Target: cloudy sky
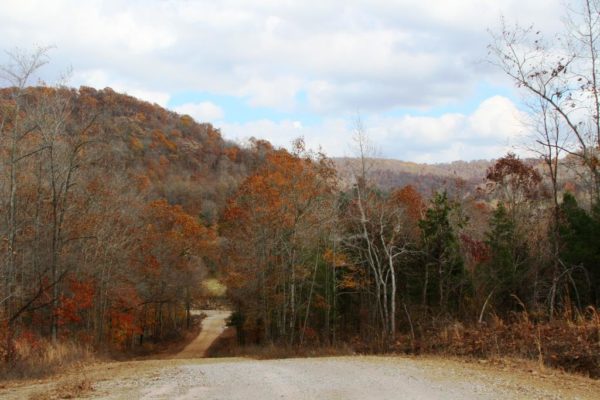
column 414, row 70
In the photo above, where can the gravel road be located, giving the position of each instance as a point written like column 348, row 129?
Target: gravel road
column 338, row 378
column 187, row 376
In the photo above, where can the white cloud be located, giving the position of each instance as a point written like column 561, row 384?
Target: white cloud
column 330, row 58
column 332, row 135
column 346, row 55
column 497, row 117
column 494, row 128
column 100, row 79
column 277, row 92
column 160, row 98
column 202, row 112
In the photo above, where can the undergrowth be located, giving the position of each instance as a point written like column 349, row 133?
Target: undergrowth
column 39, row 358
column 226, row 346
column 571, row 344
column 29, row 356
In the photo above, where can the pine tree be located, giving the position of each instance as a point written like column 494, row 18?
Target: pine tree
column 444, row 266
column 503, row 272
column 578, row 230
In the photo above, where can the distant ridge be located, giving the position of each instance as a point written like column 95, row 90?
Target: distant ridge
column 388, row 173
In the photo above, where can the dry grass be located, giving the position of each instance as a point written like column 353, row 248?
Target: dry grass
column 568, row 344
column 573, row 346
column 74, row 388
column 42, row 358
column 34, row 357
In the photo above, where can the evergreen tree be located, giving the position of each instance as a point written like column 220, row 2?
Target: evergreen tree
column 444, row 276
column 504, row 271
column 579, row 231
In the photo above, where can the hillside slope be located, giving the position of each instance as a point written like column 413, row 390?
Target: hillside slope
column 112, row 206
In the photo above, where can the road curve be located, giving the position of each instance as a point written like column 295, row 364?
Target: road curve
column 212, row 326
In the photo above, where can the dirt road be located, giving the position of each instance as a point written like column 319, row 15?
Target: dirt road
column 353, row 377
column 212, row 326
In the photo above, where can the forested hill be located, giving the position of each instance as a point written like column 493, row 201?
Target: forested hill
column 109, row 214
column 426, row 178
column 161, row 153
column 456, row 178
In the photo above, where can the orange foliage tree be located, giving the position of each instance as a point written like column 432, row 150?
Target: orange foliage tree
column 173, row 248
column 276, row 226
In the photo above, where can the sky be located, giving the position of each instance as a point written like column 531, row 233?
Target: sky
column 416, row 72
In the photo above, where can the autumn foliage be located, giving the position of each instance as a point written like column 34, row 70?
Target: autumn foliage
column 109, row 207
column 276, row 226
column 115, row 211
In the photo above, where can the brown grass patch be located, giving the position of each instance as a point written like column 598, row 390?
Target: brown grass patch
column 572, row 346
column 44, row 358
column 74, row 388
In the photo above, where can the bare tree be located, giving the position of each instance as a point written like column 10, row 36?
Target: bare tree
column 63, row 142
column 14, row 130
column 561, row 77
column 561, row 74
column 378, row 236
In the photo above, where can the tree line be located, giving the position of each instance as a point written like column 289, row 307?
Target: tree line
column 380, row 262
column 306, row 261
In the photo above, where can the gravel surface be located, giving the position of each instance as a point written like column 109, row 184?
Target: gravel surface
column 331, row 378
